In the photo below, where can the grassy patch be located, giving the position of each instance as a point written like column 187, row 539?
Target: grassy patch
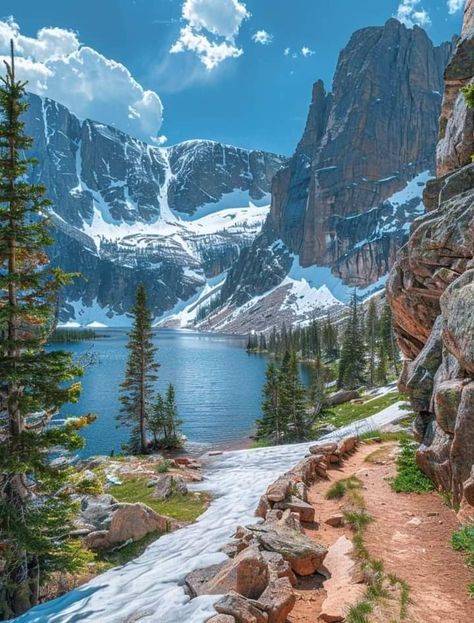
column 346, row 413
column 463, row 541
column 347, row 487
column 410, row 478
column 181, row 507
column 376, row 436
column 381, row 454
column 360, row 612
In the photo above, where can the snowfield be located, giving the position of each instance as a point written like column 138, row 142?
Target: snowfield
column 150, row 588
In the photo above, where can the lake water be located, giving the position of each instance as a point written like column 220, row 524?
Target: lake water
column 218, row 386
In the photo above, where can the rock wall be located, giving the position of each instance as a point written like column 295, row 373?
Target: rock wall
column 431, row 292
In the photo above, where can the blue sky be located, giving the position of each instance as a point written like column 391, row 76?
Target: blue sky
column 228, row 77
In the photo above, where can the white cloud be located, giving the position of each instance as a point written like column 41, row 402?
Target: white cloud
column 56, row 65
column 286, row 51
column 209, row 52
column 263, row 37
column 220, row 20
column 454, row 6
column 410, row 13
column 305, row 51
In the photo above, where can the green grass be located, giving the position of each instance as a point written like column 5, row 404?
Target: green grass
column 360, row 612
column 347, row 487
column 347, row 413
column 410, row 478
column 181, row 507
column 336, row 491
column 463, row 541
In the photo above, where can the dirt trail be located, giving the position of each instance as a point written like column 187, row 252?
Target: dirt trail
column 411, row 535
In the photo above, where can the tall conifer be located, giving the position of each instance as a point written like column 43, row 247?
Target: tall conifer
column 35, row 511
column 137, row 389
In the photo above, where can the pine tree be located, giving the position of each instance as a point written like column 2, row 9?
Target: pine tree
column 271, row 425
column 381, row 369
column 293, row 397
column 352, row 362
column 172, row 438
column 387, row 336
column 35, row 512
column 137, row 389
column 317, row 392
column 372, row 323
column 157, row 420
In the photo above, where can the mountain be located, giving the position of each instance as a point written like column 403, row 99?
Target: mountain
column 431, row 292
column 125, row 212
column 343, row 205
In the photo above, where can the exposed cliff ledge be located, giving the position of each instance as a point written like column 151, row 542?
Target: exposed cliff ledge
column 431, row 291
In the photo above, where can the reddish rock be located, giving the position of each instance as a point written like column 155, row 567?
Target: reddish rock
column 243, row 610
column 263, row 507
column 279, row 490
column 304, row 510
column 278, row 600
column 336, row 520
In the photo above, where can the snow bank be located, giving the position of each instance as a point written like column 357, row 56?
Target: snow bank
column 150, row 588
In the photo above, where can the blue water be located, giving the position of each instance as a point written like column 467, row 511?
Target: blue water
column 218, row 386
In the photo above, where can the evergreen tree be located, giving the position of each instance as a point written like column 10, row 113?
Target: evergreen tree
column 372, row 324
column 36, row 513
column 293, row 397
column 172, row 437
column 137, row 388
column 157, row 420
column 381, row 369
column 271, row 425
column 352, row 362
column 318, row 390
column 387, row 336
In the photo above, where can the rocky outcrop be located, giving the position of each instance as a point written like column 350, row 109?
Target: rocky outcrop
column 347, row 197
column 431, row 291
column 125, row 212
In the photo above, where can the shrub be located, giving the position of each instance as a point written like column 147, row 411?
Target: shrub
column 410, row 478
column 164, row 466
column 463, row 541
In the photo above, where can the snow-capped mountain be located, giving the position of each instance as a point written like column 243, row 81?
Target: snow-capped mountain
column 125, row 212
column 343, row 205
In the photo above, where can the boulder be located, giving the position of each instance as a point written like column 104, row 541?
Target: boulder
column 447, row 399
column 344, row 587
column 263, row 507
column 242, row 609
column 304, row 510
column 279, row 567
column 163, row 487
column 304, row 555
column 278, row 600
column 128, row 522
column 197, row 581
column 279, row 490
column 221, row 618
column 326, row 448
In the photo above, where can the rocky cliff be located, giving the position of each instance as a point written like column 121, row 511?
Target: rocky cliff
column 123, row 211
column 431, row 291
column 345, row 201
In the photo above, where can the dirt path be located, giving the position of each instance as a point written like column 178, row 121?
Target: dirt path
column 411, row 535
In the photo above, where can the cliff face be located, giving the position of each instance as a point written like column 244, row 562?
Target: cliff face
column 347, row 197
column 431, row 291
column 126, row 212
column 362, row 143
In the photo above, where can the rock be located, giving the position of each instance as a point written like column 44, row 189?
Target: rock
column 336, row 520
column 163, row 487
column 301, row 491
column 279, row 490
column 127, row 522
column 303, row 554
column 215, row 453
column 221, row 618
column 304, row 510
column 344, row 588
column 447, row 399
column 243, row 610
column 197, row 581
column 279, row 567
column 278, row 600
column 263, row 507
column 326, row 448
column 342, row 396
column 247, row 574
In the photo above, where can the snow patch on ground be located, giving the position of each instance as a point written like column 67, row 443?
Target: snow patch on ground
column 96, row 316
column 150, row 588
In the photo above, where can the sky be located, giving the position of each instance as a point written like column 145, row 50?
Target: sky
column 236, row 71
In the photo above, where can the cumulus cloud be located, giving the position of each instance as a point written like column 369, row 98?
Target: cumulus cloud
column 210, row 30
column 286, row 51
column 411, row 13
column 305, row 51
column 263, row 37
column 56, row 65
column 454, row 6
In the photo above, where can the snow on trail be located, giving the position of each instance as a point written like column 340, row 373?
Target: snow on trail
column 150, row 588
